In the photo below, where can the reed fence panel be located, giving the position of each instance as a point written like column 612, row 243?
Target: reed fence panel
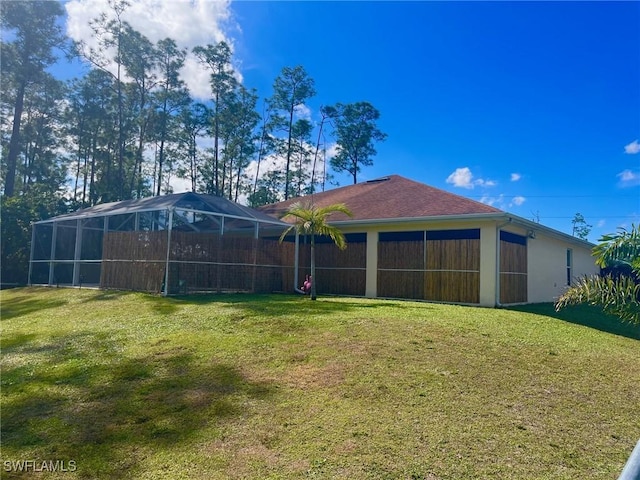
column 144, row 276
column 190, row 246
column 198, row 262
column 401, row 284
column 513, row 288
column 398, row 255
column 513, row 272
column 513, row 257
column 135, row 246
column 462, row 254
column 446, row 270
column 134, row 260
column 447, row 286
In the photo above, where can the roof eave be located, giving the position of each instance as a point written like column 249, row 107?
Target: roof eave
column 433, row 218
column 494, row 216
column 550, row 231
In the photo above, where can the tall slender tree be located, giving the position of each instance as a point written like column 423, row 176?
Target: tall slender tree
column 41, row 138
column 323, row 119
column 110, row 30
column 140, row 59
column 301, row 153
column 92, row 114
column 218, row 59
column 240, row 121
column 356, row 131
column 290, row 90
column 266, row 142
column 192, row 120
column 171, row 97
column 37, row 34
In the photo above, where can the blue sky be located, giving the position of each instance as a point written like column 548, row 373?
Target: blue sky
column 535, row 101
column 533, row 107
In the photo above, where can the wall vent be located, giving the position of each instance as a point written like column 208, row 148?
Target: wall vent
column 378, row 180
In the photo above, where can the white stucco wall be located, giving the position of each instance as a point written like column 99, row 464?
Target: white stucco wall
column 371, row 290
column 547, row 266
column 488, row 253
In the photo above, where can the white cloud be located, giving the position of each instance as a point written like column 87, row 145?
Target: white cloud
column 493, row 201
column 302, row 111
column 629, row 178
column 518, row 200
column 485, row 183
column 500, row 201
column 463, row 178
column 180, row 185
column 188, row 22
column 332, row 150
column 601, row 223
column 515, row 177
column 632, row 148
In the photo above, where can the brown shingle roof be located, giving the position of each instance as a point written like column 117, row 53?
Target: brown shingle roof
column 390, row 197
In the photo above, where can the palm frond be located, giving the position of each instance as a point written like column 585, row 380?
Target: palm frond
column 313, row 220
column 621, row 247
column 618, row 296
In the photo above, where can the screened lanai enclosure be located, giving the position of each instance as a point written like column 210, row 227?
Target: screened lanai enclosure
column 172, row 244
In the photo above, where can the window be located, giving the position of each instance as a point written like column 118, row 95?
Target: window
column 569, row 265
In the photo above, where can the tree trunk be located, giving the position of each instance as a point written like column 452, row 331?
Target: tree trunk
column 286, row 181
column 216, row 133
column 313, row 267
column 14, row 143
column 160, row 164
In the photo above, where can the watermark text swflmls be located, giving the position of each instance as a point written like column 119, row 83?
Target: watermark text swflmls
column 39, row 465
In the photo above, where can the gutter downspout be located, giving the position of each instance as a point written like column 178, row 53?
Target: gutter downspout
column 498, row 229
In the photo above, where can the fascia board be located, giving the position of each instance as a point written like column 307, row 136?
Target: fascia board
column 430, row 219
column 513, row 219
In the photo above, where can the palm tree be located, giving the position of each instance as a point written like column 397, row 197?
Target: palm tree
column 312, row 220
column 619, row 293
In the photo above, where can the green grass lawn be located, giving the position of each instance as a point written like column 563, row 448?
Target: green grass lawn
column 134, row 386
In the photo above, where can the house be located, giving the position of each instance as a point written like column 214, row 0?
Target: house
column 405, row 240
column 410, row 240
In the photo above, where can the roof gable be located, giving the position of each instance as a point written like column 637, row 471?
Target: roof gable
column 390, row 197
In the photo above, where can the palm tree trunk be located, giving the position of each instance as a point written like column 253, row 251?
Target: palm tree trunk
column 313, row 267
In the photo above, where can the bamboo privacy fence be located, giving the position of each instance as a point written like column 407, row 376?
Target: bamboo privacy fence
column 213, row 262
column 435, row 267
column 513, row 270
column 445, row 268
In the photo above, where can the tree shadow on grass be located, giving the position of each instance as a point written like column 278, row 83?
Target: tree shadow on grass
column 585, row 315
column 26, row 304
column 30, row 301
column 106, row 295
column 276, row 305
column 76, row 398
